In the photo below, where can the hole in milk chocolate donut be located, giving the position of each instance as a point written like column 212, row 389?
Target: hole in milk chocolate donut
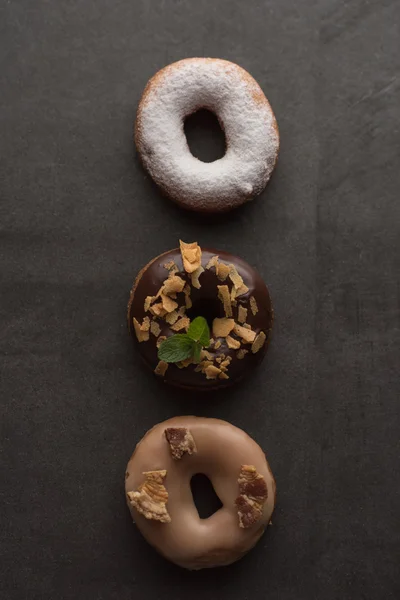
column 170, row 292
column 159, row 496
column 245, row 115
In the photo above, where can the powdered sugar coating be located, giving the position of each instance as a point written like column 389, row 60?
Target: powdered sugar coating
column 244, row 114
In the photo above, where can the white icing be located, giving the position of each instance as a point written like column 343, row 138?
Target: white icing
column 245, row 115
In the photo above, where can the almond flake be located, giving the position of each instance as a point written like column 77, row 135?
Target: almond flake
column 195, row 277
column 168, row 304
column 212, row 372
column 161, row 368
column 158, row 310
column 160, row 340
column 242, row 290
column 223, row 295
column 242, row 314
column 191, row 256
column 182, row 323
column 142, row 334
column 253, row 305
column 186, row 362
column 155, row 328
column 232, row 343
column 217, row 344
column 225, row 363
column 172, row 317
column 258, row 342
column 173, row 284
column 147, row 302
column 234, row 276
column 222, row 327
column 212, row 262
column 223, row 375
column 171, row 266
column 241, row 353
column 204, row 354
column 203, row 365
column 186, row 291
column 181, row 311
column 223, row 271
column 247, row 335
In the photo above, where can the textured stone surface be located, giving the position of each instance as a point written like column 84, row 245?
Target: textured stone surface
column 79, row 218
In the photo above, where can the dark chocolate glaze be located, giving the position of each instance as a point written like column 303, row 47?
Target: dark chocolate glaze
column 207, row 304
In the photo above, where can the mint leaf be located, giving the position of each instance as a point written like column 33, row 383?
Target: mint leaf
column 176, row 348
column 199, row 331
column 197, row 348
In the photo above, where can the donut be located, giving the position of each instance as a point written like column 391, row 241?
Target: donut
column 178, row 287
column 159, row 497
column 244, row 114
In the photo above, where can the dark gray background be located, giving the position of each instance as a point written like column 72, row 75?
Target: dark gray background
column 79, row 217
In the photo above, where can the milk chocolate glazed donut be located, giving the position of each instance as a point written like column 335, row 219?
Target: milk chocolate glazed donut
column 157, row 485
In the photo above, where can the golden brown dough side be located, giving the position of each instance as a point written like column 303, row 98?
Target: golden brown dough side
column 160, row 500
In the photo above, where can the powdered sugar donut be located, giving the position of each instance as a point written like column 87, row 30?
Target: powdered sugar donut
column 245, row 115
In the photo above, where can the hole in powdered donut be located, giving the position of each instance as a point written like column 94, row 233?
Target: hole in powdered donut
column 208, row 309
column 204, row 496
column 205, row 138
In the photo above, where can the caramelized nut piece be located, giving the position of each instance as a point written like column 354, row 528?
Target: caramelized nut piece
column 258, row 342
column 224, row 296
column 232, row 343
column 155, row 328
column 223, row 271
column 253, row 305
column 204, row 354
column 222, row 327
column 247, row 335
column 172, row 317
column 182, row 323
column 242, row 314
column 142, row 331
column 147, row 302
column 253, row 493
column 235, row 278
column 161, row 368
column 158, row 310
column 212, row 372
column 180, row 441
column 191, row 256
column 168, row 304
column 173, row 284
column 151, row 498
column 242, row 290
column 212, row 262
column 160, row 340
column 171, row 267
column 223, row 375
column 186, row 291
column 195, row 277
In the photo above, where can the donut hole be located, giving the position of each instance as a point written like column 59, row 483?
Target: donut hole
column 204, row 496
column 207, row 308
column 204, row 135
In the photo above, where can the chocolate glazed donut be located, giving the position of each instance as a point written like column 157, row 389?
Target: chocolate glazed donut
column 171, row 291
column 157, row 486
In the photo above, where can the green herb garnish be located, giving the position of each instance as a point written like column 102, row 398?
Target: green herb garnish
column 186, row 345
